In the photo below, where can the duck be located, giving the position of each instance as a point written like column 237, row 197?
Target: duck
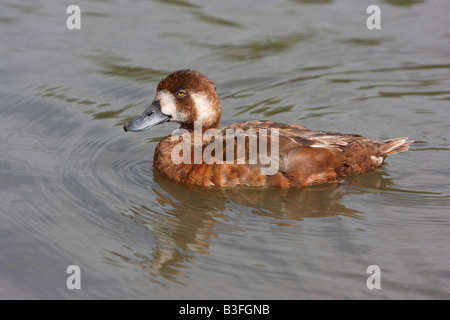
column 202, row 153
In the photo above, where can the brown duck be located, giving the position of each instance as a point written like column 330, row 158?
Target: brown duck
column 301, row 157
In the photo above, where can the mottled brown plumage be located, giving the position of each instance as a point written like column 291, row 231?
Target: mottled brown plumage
column 305, row 157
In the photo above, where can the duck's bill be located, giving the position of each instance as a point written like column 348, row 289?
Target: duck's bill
column 151, row 117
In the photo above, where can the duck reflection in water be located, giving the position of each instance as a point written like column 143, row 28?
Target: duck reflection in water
column 192, row 216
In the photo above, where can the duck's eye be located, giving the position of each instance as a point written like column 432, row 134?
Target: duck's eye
column 180, row 93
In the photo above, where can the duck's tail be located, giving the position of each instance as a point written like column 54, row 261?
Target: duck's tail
column 395, row 145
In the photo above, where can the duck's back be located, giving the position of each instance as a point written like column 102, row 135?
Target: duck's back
column 303, row 157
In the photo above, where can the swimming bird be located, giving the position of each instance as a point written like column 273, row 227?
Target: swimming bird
column 204, row 154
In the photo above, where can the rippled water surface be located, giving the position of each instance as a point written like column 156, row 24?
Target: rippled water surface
column 75, row 189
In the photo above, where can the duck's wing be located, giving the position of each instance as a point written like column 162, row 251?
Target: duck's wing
column 307, row 157
column 291, row 136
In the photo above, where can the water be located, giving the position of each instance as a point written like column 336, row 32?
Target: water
column 75, row 189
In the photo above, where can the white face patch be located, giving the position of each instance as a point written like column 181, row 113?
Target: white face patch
column 169, row 106
column 204, row 108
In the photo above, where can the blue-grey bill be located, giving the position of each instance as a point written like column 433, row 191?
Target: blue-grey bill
column 151, row 117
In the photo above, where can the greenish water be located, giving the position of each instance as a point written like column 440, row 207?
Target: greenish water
column 75, row 189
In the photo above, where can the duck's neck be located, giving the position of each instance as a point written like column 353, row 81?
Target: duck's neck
column 191, row 127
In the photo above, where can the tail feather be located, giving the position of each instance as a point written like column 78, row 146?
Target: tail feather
column 395, row 145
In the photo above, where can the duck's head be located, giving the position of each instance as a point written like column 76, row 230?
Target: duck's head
column 185, row 96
